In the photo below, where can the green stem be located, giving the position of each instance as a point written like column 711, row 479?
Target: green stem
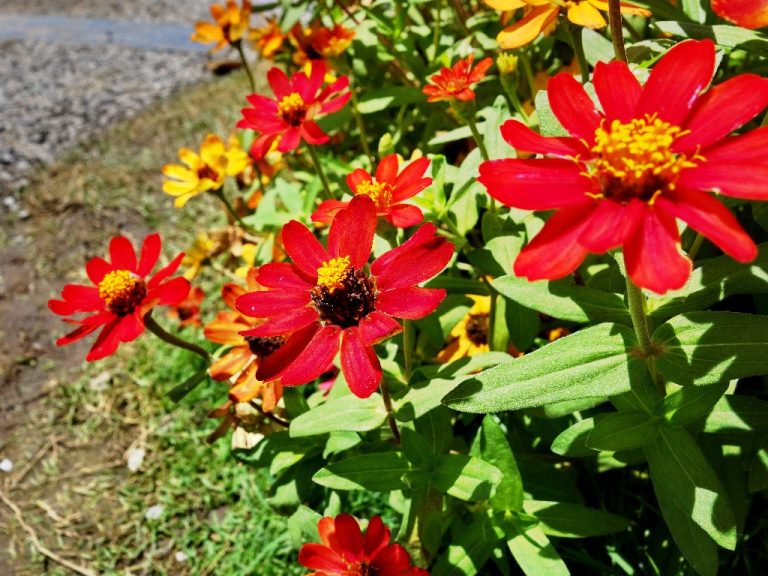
column 511, row 92
column 360, row 126
column 695, row 245
column 578, row 49
column 617, row 30
column 385, row 395
column 319, row 169
column 525, row 59
column 436, row 37
column 239, row 47
column 173, row 340
column 637, row 311
column 408, row 345
column 231, row 210
column 470, row 120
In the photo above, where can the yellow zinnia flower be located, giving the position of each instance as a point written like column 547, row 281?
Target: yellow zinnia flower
column 540, row 16
column 470, row 335
column 230, row 26
column 268, row 39
column 205, row 171
column 196, row 255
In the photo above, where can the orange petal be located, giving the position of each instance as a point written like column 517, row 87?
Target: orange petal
column 745, row 13
column 230, row 364
column 527, row 30
column 584, row 14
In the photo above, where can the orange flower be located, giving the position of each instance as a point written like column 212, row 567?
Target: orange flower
column 241, row 360
column 455, row 83
column 540, row 17
column 331, row 42
column 231, row 24
column 745, row 13
column 188, row 310
column 268, row 39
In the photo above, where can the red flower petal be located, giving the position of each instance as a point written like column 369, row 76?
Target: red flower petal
column 392, row 561
column 318, row 557
column 411, row 174
column 352, row 231
column 314, row 359
column 723, row 109
column 290, row 139
column 555, row 251
column 404, row 215
column 520, row 137
column 362, row 370
column 377, row 327
column 357, row 177
column 271, row 366
column 77, row 298
column 573, row 107
column 745, row 13
column 279, row 82
column 313, row 134
column 617, row 89
column 97, row 268
column 749, row 147
column 677, row 80
column 737, row 179
column 106, row 342
column 129, row 328
column 122, row 254
column 652, row 254
column 540, row 184
column 610, row 225
column 420, row 258
column 707, row 215
column 376, row 537
column 164, row 273
column 285, row 323
column 304, row 249
column 386, row 171
column 308, row 86
column 272, row 303
column 171, row 292
column 86, row 326
column 335, row 104
column 327, row 210
column 281, row 275
column 150, row 253
column 411, row 302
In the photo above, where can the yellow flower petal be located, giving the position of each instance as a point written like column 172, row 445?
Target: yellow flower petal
column 625, row 8
column 505, row 4
column 527, row 30
column 212, row 149
column 175, row 188
column 584, row 14
column 207, row 33
column 179, row 173
column 190, row 158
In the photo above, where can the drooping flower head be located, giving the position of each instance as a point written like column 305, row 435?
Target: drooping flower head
column 750, row 14
column 230, row 25
column 470, row 335
column 121, row 295
column 268, row 39
column 652, row 155
column 541, row 16
column 345, row 551
column 206, row 171
column 331, row 300
column 456, row 82
column 242, row 359
column 187, row 312
column 290, row 116
column 388, row 189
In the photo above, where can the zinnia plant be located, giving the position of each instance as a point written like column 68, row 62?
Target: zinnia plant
column 388, row 189
column 654, row 153
column 121, row 296
column 327, row 300
column 456, row 82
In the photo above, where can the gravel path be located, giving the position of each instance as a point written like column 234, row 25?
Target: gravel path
column 56, row 92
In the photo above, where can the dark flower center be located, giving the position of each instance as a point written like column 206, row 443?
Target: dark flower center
column 343, row 296
column 207, row 172
column 292, row 109
column 122, row 291
column 263, row 347
column 477, row 329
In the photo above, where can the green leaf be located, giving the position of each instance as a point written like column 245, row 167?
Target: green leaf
column 565, row 300
column 687, row 486
column 340, row 442
column 178, row 392
column 494, row 117
column 723, row 35
column 346, row 414
column 548, row 122
column 383, row 98
column 573, row 440
column 535, row 554
column 574, row 520
column 492, row 446
column 465, row 477
column 758, row 471
column 469, row 552
column 737, row 414
column 691, row 403
column 591, row 363
column 597, row 48
column 416, row 449
column 623, row 430
column 709, row 347
column 377, row 472
column 302, row 525
column 712, row 282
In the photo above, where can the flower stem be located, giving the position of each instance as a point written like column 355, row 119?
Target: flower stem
column 360, row 126
column 511, row 92
column 578, row 49
column 617, row 30
column 637, row 311
column 476, row 135
column 239, row 46
column 385, row 395
column 231, row 211
column 695, row 245
column 319, row 169
column 173, row 340
column 408, row 345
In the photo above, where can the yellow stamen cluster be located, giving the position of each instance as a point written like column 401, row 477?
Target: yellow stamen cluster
column 636, row 159
column 379, row 192
column 122, row 291
column 292, row 108
column 332, row 273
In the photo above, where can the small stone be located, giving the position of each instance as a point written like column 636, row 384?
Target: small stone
column 100, row 382
column 181, row 557
column 154, row 512
column 135, row 457
column 6, row 465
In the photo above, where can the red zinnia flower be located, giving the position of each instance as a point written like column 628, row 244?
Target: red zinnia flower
column 652, row 155
column 290, row 115
column 345, row 551
column 455, row 83
column 330, row 301
column 745, row 13
column 121, row 296
column 187, row 312
column 387, row 189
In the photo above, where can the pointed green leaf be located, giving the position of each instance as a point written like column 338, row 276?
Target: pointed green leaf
column 469, row 552
column 492, row 446
column 623, row 430
column 573, row 440
column 535, row 554
column 737, row 414
column 465, row 477
column 691, row 403
column 377, row 472
column 348, row 414
column 574, row 520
